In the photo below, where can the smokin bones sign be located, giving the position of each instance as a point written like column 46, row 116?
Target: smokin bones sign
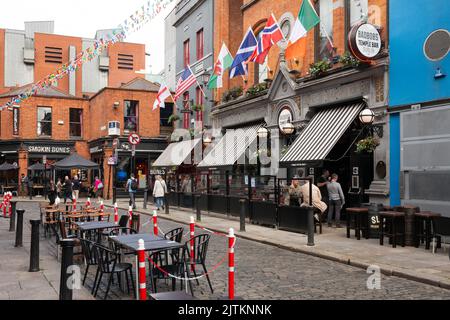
column 365, row 41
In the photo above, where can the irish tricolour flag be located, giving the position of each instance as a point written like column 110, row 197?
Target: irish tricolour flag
column 306, row 20
column 224, row 61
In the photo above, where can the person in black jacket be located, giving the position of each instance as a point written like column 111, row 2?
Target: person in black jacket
column 67, row 189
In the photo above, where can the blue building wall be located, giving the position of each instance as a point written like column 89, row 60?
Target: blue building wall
column 411, row 73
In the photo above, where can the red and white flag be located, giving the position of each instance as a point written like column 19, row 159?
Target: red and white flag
column 269, row 36
column 163, row 94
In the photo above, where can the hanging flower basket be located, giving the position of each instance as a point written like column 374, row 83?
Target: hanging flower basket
column 367, row 145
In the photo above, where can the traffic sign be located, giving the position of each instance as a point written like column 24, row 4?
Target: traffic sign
column 112, row 161
column 134, row 139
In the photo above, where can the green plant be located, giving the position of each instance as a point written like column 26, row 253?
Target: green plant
column 197, row 107
column 316, row 69
column 232, row 94
column 173, row 117
column 368, row 144
column 347, row 59
column 257, row 88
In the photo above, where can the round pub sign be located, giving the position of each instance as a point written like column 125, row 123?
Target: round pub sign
column 365, row 41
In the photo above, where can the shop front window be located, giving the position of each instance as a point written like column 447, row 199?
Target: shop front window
column 131, row 116
column 75, row 122
column 44, row 122
column 326, row 30
column 165, row 113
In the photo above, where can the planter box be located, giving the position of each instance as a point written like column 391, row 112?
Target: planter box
column 263, row 212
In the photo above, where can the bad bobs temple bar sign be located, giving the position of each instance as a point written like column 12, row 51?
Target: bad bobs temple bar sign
column 365, row 41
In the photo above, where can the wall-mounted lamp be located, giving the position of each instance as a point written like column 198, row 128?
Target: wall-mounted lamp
column 263, row 133
column 439, row 74
column 116, row 104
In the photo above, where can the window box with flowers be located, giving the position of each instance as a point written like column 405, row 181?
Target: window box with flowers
column 173, row 118
column 198, row 108
column 367, row 145
column 319, row 68
column 257, row 89
column 232, row 94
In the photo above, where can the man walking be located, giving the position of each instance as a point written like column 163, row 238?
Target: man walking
column 159, row 191
column 132, row 186
column 337, row 200
column 76, row 186
column 67, row 189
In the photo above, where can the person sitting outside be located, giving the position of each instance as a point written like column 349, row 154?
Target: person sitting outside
column 317, row 202
column 294, row 192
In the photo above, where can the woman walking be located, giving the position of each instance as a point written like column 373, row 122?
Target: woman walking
column 159, row 191
column 98, row 189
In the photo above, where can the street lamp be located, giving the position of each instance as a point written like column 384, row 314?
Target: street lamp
column 367, row 116
column 205, row 78
column 288, row 128
column 263, row 132
column 207, row 140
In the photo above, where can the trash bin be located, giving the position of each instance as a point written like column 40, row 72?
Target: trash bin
column 374, row 219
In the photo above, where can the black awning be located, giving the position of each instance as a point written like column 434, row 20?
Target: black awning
column 8, row 167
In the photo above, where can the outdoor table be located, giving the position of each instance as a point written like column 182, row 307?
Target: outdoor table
column 94, row 226
column 359, row 215
column 151, row 243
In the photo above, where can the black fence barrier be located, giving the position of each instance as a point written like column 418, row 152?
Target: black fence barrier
column 264, row 213
column 294, row 219
column 218, row 203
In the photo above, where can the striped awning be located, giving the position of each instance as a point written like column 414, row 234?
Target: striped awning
column 322, row 134
column 176, row 153
column 231, row 147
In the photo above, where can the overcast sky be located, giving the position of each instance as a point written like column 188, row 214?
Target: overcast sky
column 83, row 18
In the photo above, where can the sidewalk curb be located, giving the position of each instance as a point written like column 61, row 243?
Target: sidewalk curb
column 386, row 270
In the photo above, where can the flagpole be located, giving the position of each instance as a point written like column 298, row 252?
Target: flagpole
column 200, row 87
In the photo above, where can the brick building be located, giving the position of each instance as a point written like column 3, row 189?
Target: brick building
column 74, row 115
column 295, row 95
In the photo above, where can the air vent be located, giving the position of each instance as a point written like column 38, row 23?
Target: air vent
column 53, row 55
column 125, row 61
column 437, row 45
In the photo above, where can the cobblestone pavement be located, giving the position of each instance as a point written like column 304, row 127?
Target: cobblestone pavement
column 267, row 272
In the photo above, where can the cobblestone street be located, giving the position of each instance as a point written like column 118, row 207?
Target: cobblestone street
column 268, row 272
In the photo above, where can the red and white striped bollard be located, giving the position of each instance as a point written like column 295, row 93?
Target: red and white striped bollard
column 192, row 234
column 141, row 275
column 88, row 203
column 155, row 223
column 231, row 241
column 9, row 202
column 116, row 214
column 74, row 204
column 130, row 214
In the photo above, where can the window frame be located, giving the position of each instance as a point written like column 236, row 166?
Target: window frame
column 38, row 121
column 200, row 44
column 80, row 123
column 126, row 117
column 186, row 53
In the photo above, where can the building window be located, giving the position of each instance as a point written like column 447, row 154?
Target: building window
column 199, row 102
column 186, row 53
column 165, row 113
column 53, row 55
column 200, row 52
column 359, row 10
column 186, row 106
column 75, row 122
column 130, row 118
column 125, row 61
column 325, row 50
column 44, row 122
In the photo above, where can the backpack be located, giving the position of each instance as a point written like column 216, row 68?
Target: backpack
column 134, row 185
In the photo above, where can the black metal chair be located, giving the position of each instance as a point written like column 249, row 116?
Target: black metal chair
column 87, row 247
column 108, row 263
column 169, row 265
column 123, row 221
column 200, row 250
column 175, row 234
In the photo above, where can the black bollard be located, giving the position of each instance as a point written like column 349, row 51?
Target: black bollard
column 12, row 221
column 311, row 226
column 34, row 249
column 197, row 206
column 242, row 215
column 19, row 228
column 65, row 288
column 145, row 198
column 166, row 203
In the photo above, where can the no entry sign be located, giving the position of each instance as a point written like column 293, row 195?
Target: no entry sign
column 134, row 139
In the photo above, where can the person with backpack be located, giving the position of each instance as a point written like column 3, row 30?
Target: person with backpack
column 132, row 186
column 159, row 191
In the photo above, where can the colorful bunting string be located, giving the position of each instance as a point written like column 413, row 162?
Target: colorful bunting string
column 133, row 23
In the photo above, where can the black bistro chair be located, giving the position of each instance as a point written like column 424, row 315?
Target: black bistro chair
column 200, row 250
column 87, row 247
column 108, row 263
column 169, row 265
column 175, row 234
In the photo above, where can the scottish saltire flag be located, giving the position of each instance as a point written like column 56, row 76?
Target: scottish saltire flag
column 186, row 80
column 269, row 36
column 248, row 45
